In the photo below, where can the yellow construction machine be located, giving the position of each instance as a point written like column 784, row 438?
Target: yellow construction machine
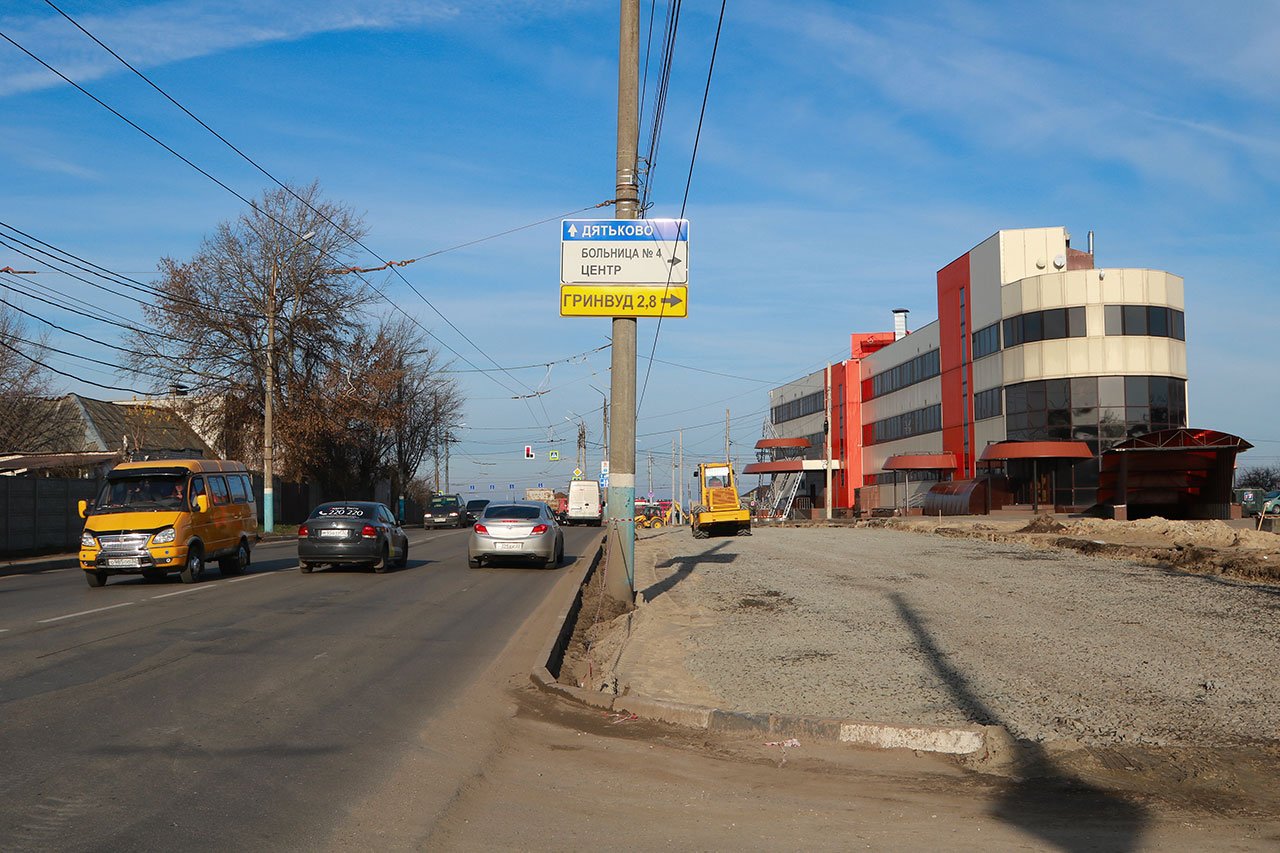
column 654, row 516
column 719, row 511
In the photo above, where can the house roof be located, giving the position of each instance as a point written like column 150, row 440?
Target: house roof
column 76, row 424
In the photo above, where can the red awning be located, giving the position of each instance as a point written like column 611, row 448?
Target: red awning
column 773, row 443
column 921, row 462
column 782, row 466
column 1036, row 450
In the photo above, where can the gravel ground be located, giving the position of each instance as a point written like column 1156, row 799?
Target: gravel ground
column 892, row 626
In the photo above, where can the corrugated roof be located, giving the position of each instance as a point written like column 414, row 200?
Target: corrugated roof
column 75, row 424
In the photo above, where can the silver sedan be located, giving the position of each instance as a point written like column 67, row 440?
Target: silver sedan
column 516, row 530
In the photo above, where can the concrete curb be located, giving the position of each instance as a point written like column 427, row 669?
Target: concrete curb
column 960, row 740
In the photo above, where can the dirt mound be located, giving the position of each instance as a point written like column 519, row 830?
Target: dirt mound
column 1043, row 524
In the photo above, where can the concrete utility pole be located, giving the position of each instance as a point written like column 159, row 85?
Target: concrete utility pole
column 622, row 446
column 268, row 428
column 726, row 436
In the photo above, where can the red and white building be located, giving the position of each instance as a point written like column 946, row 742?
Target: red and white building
column 1032, row 343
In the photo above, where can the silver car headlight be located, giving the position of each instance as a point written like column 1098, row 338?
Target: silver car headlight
column 164, row 537
column 87, row 540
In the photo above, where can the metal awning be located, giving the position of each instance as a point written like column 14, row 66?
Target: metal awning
column 1004, row 450
column 921, row 462
column 782, row 466
column 782, row 443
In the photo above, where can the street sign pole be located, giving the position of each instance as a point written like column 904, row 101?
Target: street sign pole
column 622, row 426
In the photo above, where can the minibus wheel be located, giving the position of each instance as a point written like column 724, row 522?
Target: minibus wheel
column 194, row 568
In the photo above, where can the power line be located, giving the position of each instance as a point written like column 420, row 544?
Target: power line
column 687, row 184
column 392, row 266
column 166, row 147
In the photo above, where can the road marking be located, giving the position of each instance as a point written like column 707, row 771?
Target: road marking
column 4, row 630
column 52, row 571
column 84, row 612
column 251, row 577
column 183, row 591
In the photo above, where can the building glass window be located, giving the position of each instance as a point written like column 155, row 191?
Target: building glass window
column 1157, row 321
column 1050, row 324
column 1100, row 411
column 1135, row 319
column 986, row 404
column 907, row 424
column 924, row 366
column 986, row 341
column 810, row 404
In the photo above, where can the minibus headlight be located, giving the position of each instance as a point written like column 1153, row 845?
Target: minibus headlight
column 87, row 540
column 164, row 537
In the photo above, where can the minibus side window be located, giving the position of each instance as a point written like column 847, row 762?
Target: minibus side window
column 218, row 489
column 197, row 489
column 238, row 495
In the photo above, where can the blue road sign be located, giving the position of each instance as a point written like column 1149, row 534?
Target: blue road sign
column 610, row 230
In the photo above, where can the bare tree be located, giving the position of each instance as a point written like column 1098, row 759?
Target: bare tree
column 1265, row 477
column 279, row 261
column 29, row 420
column 377, row 413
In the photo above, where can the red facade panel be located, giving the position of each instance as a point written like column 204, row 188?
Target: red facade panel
column 955, row 361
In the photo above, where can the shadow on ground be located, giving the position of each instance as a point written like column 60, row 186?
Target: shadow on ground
column 684, row 567
column 1045, row 800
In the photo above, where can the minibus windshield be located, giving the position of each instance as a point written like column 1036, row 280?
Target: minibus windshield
column 150, row 492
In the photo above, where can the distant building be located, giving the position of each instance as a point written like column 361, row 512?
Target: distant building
column 1032, row 344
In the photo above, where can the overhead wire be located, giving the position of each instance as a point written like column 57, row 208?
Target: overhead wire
column 706, row 92
column 215, row 180
column 392, row 266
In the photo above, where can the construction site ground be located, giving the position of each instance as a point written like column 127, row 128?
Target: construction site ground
column 1136, row 657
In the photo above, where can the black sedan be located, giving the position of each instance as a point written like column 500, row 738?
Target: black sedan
column 475, row 508
column 352, row 533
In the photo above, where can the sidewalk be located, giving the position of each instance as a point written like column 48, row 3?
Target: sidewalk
column 913, row 629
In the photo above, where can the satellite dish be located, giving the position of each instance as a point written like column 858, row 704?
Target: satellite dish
column 1059, row 261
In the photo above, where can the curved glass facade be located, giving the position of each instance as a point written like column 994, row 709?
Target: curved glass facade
column 1101, row 411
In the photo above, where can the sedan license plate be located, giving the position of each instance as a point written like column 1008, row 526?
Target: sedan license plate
column 508, row 546
column 123, row 562
column 333, row 534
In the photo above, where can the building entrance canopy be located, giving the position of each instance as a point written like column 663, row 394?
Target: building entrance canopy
column 921, row 462
column 1173, row 473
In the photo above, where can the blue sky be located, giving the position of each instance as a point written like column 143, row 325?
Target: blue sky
column 849, row 151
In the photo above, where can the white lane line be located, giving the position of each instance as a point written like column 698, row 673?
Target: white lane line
column 84, row 612
column 200, row 588
column 251, row 577
column 4, row 630
column 52, row 571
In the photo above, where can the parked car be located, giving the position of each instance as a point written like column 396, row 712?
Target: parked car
column 1270, row 504
column 352, row 533
column 474, row 508
column 517, row 530
column 445, row 511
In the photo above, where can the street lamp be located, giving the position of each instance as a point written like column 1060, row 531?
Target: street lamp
column 268, row 459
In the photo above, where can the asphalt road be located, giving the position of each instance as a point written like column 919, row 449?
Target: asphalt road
column 237, row 713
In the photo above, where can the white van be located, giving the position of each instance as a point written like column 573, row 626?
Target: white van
column 584, row 503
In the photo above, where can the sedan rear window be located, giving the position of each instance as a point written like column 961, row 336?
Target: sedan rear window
column 342, row 511
column 512, row 511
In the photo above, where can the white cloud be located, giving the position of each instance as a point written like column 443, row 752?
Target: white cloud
column 160, row 33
